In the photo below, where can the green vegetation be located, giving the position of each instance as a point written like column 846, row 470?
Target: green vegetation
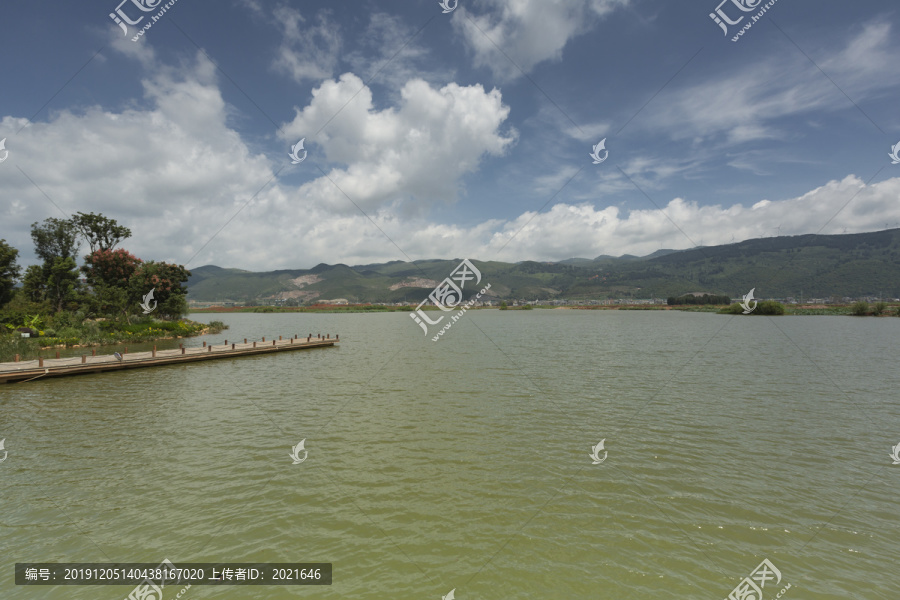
column 503, row 306
column 763, row 307
column 879, row 308
column 322, row 308
column 698, row 299
column 860, row 309
column 58, row 308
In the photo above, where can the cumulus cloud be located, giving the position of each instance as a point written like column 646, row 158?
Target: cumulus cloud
column 528, row 32
column 168, row 171
column 410, row 155
column 172, row 169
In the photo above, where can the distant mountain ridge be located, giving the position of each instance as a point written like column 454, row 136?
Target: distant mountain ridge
column 852, row 265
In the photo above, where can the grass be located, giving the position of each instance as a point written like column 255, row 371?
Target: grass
column 100, row 333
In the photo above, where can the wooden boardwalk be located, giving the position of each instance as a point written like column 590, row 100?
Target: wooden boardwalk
column 30, row 370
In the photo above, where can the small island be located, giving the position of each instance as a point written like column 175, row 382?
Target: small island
column 114, row 297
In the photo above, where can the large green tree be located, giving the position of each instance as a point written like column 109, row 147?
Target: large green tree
column 165, row 280
column 55, row 238
column 9, row 271
column 101, row 233
column 56, row 243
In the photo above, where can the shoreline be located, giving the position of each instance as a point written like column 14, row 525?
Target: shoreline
column 790, row 309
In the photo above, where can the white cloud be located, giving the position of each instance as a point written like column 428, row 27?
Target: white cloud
column 529, row 32
column 176, row 173
column 745, row 104
column 410, row 155
column 308, row 50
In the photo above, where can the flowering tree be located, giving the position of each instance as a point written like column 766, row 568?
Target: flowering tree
column 110, row 267
column 165, row 279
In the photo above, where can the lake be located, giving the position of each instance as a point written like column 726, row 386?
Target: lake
column 465, row 463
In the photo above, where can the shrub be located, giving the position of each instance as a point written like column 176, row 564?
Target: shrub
column 734, row 309
column 763, row 307
column 503, row 306
column 769, row 307
column 879, row 308
column 860, row 309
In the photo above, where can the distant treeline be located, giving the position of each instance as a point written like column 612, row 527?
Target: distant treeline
column 691, row 299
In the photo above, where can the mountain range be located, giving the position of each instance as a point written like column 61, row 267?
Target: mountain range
column 811, row 266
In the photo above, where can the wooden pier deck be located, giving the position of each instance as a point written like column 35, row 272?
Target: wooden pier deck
column 29, row 370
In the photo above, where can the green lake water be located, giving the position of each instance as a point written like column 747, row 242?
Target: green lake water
column 464, row 463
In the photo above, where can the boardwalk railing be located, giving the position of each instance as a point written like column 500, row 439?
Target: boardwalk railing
column 29, row 370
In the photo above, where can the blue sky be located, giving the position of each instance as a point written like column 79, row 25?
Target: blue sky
column 433, row 135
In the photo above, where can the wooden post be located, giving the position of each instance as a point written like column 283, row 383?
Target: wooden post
column 17, row 358
column 40, row 361
column 245, row 340
column 309, row 338
column 254, row 344
column 226, row 342
column 279, row 338
column 154, row 351
column 182, row 348
column 93, row 352
column 232, row 346
column 83, row 358
column 328, row 336
column 126, row 350
column 204, row 344
column 337, row 336
column 264, row 338
column 209, row 348
column 292, row 340
column 273, row 342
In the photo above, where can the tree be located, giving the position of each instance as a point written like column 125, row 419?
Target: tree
column 61, row 277
column 165, row 280
column 110, row 267
column 34, row 285
column 101, row 233
column 56, row 242
column 9, row 271
column 56, row 238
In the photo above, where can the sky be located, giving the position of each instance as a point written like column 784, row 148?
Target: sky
column 458, row 134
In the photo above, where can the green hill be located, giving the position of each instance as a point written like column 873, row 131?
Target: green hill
column 851, row 265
